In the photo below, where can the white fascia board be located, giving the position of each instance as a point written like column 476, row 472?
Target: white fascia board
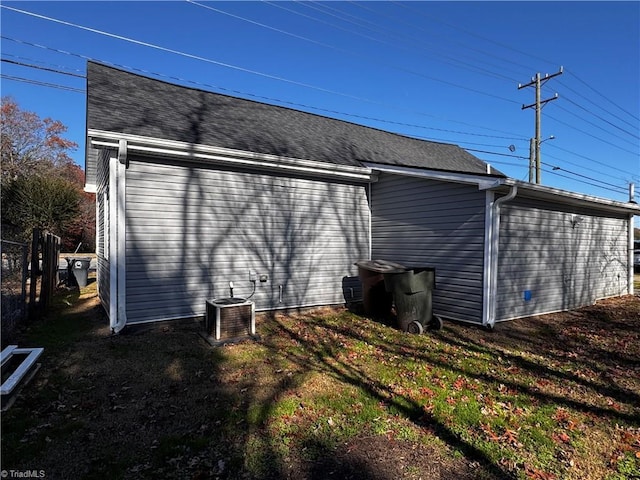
column 483, row 182
column 226, row 156
column 532, row 190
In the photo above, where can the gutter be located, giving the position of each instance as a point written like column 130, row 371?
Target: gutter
column 494, row 250
column 208, row 154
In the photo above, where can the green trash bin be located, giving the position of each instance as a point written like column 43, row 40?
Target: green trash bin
column 376, row 300
column 412, row 294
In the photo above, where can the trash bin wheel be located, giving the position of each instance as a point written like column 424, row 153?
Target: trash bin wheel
column 415, row 328
column 435, row 323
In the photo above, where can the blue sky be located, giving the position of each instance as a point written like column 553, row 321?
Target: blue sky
column 446, row 71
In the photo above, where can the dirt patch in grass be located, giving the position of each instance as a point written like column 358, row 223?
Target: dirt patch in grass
column 329, row 394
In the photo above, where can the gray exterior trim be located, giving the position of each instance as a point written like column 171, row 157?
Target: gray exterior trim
column 191, row 229
column 565, row 256
column 422, row 222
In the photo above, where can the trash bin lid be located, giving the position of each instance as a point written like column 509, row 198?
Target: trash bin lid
column 381, row 266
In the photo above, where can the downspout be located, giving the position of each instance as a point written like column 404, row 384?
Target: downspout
column 494, row 253
column 118, row 261
column 630, row 268
column 370, row 199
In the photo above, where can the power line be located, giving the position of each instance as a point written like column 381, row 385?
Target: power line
column 42, row 68
column 453, row 61
column 61, row 67
column 631, row 142
column 415, row 26
column 601, row 118
column 555, row 167
column 599, row 172
column 595, row 104
column 285, row 102
column 473, row 34
column 603, row 96
column 495, row 153
column 591, row 135
column 348, row 52
column 184, row 54
column 235, row 67
column 39, row 83
column 591, row 159
column 617, row 190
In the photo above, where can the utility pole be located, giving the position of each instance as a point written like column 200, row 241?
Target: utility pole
column 537, row 82
column 532, row 159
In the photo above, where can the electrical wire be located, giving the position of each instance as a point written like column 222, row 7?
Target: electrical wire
column 511, row 136
column 41, row 68
column 555, row 167
column 186, row 55
column 564, row 85
column 603, row 96
column 349, row 52
column 591, row 159
column 631, row 142
column 222, row 64
column 60, row 67
column 590, row 135
column 42, row 84
column 599, row 172
column 617, row 190
column 453, row 61
column 601, row 118
column 473, row 34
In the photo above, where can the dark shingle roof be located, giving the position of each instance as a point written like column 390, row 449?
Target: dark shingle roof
column 124, row 102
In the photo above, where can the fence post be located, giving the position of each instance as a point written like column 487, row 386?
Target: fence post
column 35, row 242
column 23, row 294
column 50, row 253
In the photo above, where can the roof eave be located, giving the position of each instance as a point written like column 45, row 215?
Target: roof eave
column 541, row 192
column 149, row 146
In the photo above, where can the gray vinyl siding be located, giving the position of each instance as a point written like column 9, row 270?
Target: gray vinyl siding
column 438, row 224
column 565, row 257
column 102, row 256
column 192, row 229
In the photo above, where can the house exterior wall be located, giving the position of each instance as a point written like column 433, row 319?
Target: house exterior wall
column 102, row 224
column 418, row 221
column 191, row 229
column 565, row 257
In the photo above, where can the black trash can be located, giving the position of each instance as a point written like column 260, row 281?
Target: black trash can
column 412, row 293
column 80, row 268
column 376, row 300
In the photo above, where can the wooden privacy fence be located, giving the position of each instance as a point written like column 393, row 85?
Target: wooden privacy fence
column 29, row 278
column 45, row 251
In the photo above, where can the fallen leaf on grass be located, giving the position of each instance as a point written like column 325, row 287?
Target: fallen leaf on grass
column 561, row 438
column 536, row 474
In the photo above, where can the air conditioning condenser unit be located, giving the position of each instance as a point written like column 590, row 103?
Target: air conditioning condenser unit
column 230, row 319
